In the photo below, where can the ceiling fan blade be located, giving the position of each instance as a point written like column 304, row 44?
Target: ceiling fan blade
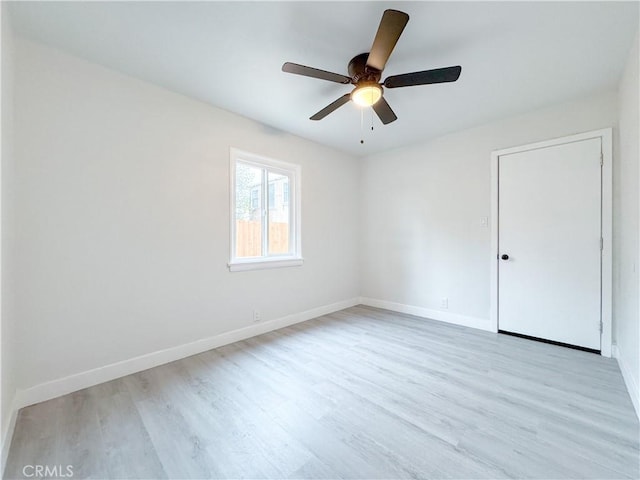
column 384, row 112
column 438, row 75
column 314, row 73
column 389, row 31
column 331, row 107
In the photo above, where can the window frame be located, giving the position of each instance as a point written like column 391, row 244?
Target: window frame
column 293, row 171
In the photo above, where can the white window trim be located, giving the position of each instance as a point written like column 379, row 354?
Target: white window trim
column 277, row 261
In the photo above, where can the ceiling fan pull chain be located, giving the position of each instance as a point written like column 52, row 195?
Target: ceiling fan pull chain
column 362, row 125
column 371, row 110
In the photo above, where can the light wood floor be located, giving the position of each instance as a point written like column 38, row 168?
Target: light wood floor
column 362, row 393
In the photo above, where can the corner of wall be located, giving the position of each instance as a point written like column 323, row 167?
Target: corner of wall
column 627, row 307
column 7, row 436
column 8, row 411
column 632, row 386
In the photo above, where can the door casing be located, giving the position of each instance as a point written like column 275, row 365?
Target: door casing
column 607, row 213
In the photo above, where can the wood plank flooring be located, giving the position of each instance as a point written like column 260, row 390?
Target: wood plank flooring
column 361, row 393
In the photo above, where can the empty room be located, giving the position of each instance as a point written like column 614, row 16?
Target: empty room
column 320, row 240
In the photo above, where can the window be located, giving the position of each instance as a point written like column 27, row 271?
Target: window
column 265, row 212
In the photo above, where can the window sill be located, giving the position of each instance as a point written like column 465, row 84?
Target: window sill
column 243, row 266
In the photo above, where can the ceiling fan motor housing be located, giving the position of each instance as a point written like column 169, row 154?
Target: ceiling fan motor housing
column 359, row 71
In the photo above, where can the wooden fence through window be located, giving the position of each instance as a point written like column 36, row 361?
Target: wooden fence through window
column 249, row 238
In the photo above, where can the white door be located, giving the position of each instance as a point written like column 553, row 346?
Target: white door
column 549, row 231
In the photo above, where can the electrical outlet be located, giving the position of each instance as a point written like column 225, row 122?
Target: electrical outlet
column 256, row 315
column 444, row 303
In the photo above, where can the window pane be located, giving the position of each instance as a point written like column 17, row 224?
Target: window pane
column 272, row 193
column 248, row 211
column 255, row 198
column 279, row 227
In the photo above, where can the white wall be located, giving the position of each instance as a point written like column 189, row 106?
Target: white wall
column 8, row 351
column 421, row 208
column 626, row 306
column 123, row 219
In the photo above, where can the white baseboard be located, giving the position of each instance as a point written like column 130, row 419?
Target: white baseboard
column 78, row 381
column 441, row 316
column 8, row 435
column 629, row 381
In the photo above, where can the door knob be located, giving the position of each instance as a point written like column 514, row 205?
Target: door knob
column 505, row 256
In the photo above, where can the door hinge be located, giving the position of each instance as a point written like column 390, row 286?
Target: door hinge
column 601, row 159
column 601, row 244
column 600, row 326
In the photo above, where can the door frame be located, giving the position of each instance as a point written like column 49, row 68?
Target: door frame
column 606, row 137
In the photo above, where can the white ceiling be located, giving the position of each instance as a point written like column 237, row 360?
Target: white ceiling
column 515, row 57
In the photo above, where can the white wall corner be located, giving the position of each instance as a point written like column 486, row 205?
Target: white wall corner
column 632, row 387
column 439, row 315
column 62, row 386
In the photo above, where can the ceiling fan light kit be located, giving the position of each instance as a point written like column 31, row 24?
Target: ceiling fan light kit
column 365, row 72
column 366, row 95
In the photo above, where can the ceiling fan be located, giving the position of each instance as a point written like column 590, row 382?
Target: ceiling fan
column 365, row 71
